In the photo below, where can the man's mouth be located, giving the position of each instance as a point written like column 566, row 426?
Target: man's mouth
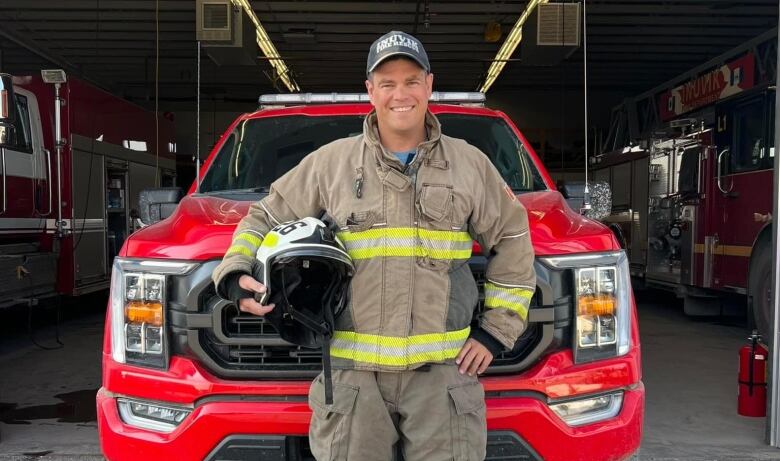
column 402, row 109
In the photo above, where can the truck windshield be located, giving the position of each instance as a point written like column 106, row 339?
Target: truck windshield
column 261, row 150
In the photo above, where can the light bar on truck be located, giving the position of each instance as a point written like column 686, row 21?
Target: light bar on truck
column 267, row 101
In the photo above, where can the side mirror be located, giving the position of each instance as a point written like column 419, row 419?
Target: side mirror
column 600, row 198
column 158, row 204
column 7, row 111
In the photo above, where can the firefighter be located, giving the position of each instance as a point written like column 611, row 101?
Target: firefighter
column 407, row 202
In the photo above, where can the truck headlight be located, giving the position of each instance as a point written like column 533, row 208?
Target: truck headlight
column 588, row 410
column 151, row 415
column 602, row 285
column 138, row 304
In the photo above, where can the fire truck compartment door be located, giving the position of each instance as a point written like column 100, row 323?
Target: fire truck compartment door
column 89, row 218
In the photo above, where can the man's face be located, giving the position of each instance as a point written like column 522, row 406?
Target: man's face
column 399, row 91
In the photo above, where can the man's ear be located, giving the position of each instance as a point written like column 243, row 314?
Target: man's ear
column 429, row 84
column 370, row 90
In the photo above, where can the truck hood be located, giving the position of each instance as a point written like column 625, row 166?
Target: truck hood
column 202, row 227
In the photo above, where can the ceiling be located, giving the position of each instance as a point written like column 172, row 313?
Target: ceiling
column 632, row 44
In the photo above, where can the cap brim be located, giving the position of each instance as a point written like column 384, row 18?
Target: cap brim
column 397, row 53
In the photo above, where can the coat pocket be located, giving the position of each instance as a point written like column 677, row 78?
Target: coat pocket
column 435, row 203
column 468, row 422
column 331, row 425
column 359, row 221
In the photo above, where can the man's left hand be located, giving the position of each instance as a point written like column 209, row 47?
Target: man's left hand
column 473, row 358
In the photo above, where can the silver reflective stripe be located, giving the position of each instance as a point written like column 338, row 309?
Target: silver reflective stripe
column 507, row 296
column 407, row 242
column 395, row 351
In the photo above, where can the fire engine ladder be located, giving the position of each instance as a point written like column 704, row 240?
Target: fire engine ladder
column 635, row 118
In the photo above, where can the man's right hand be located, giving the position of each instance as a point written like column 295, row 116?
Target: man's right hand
column 249, row 304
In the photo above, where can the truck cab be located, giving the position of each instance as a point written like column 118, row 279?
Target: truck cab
column 192, row 377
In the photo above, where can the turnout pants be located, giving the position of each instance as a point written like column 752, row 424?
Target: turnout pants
column 435, row 413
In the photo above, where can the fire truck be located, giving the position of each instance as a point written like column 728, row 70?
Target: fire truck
column 690, row 167
column 74, row 159
column 186, row 375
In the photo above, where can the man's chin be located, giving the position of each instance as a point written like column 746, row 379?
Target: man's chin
column 405, row 124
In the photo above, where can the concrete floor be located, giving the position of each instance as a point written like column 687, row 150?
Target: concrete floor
column 47, row 409
column 690, row 375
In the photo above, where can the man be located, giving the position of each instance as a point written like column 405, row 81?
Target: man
column 407, row 201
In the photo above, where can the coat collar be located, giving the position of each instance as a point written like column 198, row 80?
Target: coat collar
column 387, row 158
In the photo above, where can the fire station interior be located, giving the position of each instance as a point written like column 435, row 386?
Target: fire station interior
column 680, row 100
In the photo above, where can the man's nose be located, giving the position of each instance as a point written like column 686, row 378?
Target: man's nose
column 400, row 93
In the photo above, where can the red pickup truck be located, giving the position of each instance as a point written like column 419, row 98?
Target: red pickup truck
column 188, row 376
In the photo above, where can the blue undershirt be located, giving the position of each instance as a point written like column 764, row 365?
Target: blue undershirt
column 405, row 157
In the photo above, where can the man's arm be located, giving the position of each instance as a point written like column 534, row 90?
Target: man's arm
column 500, row 223
column 293, row 196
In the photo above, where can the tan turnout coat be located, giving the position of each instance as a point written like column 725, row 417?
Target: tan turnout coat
column 409, row 231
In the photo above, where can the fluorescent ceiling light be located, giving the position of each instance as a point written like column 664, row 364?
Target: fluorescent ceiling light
column 268, row 48
column 509, row 46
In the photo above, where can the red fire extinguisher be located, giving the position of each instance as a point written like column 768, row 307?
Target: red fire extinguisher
column 751, row 399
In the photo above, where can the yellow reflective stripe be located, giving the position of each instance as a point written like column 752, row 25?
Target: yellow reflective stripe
column 398, row 341
column 366, row 253
column 398, row 351
column 379, row 359
column 404, row 232
column 524, row 293
column 250, row 238
column 515, row 299
column 495, row 303
column 407, row 242
column 240, row 249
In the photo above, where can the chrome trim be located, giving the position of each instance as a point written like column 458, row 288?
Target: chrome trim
column 59, row 143
column 159, row 266
column 5, row 188
column 709, row 255
column 582, row 260
column 48, row 180
column 80, row 225
column 720, row 176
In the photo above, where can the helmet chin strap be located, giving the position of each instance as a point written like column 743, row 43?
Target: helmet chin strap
column 323, row 330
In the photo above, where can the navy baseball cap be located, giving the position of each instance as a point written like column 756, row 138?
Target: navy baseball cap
column 396, row 43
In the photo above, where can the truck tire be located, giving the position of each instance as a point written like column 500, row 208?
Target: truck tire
column 760, row 287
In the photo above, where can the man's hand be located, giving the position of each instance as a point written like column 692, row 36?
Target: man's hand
column 249, row 304
column 473, row 358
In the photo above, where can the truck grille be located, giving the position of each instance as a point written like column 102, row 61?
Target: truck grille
column 239, row 345
column 501, row 446
column 269, row 351
column 267, row 348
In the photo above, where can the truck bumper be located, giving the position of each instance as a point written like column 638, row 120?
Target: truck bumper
column 275, row 428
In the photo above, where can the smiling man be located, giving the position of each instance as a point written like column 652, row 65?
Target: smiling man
column 408, row 202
